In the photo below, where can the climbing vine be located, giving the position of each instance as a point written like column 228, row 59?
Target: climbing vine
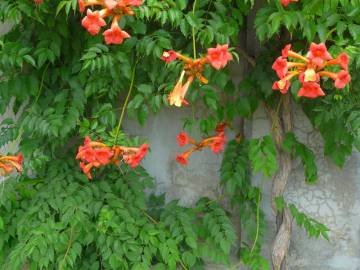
column 70, row 83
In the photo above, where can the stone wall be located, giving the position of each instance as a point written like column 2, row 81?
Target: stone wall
column 333, row 200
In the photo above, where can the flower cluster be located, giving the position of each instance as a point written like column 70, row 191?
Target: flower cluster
column 309, row 70
column 217, row 57
column 97, row 154
column 215, row 143
column 9, row 163
column 94, row 20
column 285, row 3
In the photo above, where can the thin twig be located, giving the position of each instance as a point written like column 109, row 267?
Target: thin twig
column 126, row 102
column 246, row 56
column 41, row 84
column 149, row 217
column 68, row 248
column 193, row 31
column 257, row 223
column 183, row 265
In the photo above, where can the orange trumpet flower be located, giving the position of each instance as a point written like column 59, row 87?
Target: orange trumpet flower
column 217, row 57
column 309, row 70
column 96, row 154
column 215, row 143
column 94, row 20
column 9, row 163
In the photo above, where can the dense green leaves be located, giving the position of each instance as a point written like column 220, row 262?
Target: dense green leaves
column 309, row 19
column 236, row 181
column 72, row 224
column 297, row 149
column 262, row 154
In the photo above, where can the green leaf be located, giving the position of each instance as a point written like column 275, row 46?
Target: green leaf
column 188, row 258
column 145, row 89
column 191, row 242
column 30, row 60
column 292, row 145
column 280, row 203
column 262, row 154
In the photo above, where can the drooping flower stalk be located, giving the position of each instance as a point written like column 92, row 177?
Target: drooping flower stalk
column 215, row 143
column 193, row 31
column 216, row 57
column 309, row 70
column 94, row 20
column 126, row 101
column 96, row 154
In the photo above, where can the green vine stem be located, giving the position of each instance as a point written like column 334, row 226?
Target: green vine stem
column 149, row 217
column 193, row 31
column 41, row 84
column 126, row 102
column 183, row 265
column 257, row 222
column 68, row 248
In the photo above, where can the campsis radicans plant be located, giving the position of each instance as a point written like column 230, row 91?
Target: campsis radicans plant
column 217, row 57
column 309, row 70
column 285, row 3
column 94, row 19
column 215, row 143
column 9, row 163
column 97, row 154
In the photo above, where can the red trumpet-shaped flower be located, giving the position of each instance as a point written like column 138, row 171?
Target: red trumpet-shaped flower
column 280, row 66
column 217, row 57
column 285, row 3
column 96, row 154
column 134, row 155
column 318, row 53
column 94, row 20
column 183, row 158
column 310, row 90
column 341, row 79
column 342, row 60
column 309, row 70
column 115, row 35
column 169, row 56
column 182, row 139
column 177, row 96
column 9, row 163
column 38, row 2
column 215, row 143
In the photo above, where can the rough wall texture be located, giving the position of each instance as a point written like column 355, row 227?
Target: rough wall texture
column 333, row 200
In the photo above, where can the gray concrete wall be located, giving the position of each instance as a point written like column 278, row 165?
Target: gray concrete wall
column 333, row 200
